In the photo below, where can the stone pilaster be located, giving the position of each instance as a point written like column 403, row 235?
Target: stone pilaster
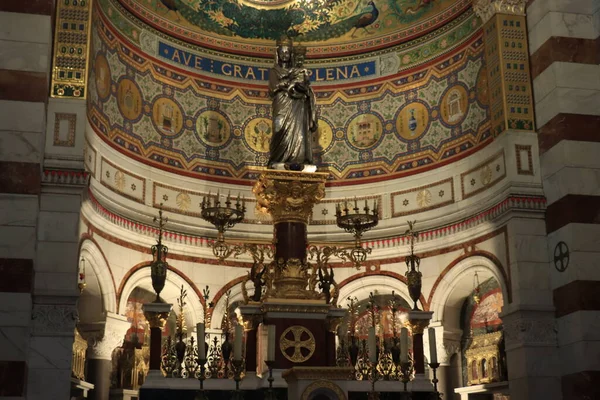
column 507, row 64
column 51, row 347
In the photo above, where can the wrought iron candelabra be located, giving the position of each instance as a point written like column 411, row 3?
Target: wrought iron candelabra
column 434, row 367
column 223, row 215
column 357, row 222
column 158, row 267
column 413, row 274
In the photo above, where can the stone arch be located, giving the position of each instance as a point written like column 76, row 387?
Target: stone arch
column 218, row 310
column 456, row 283
column 98, row 276
column 139, row 276
column 361, row 285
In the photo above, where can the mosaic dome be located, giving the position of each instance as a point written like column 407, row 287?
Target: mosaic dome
column 206, row 114
column 326, row 27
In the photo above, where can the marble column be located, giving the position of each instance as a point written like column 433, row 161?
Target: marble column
column 417, row 322
column 156, row 314
column 101, row 345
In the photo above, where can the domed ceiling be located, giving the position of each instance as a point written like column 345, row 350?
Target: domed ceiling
column 326, row 27
column 204, row 113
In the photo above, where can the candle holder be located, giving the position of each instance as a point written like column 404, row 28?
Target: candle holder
column 223, row 216
column 406, row 370
column 237, row 366
column 356, row 223
column 434, row 367
column 270, row 392
column 201, row 394
column 373, row 377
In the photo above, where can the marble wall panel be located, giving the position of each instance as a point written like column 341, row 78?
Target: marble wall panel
column 562, row 24
column 23, row 210
column 17, row 241
column 24, row 56
column 58, row 226
column 122, row 182
column 20, row 146
column 21, row 116
column 484, row 175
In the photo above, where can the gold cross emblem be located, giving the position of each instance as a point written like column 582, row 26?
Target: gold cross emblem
column 301, row 340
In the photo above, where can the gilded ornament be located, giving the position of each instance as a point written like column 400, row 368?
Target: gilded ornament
column 318, row 386
column 289, row 196
column 485, row 9
column 299, row 338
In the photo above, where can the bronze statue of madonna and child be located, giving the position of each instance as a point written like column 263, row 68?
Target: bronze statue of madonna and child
column 294, row 110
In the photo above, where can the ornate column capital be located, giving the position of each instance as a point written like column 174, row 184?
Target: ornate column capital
column 417, row 321
column 485, row 9
column 102, row 343
column 157, row 314
column 289, row 196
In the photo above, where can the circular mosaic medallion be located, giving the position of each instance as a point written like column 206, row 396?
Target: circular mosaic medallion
column 212, row 128
column 102, row 75
column 258, row 134
column 129, row 99
column 454, row 105
column 323, row 137
column 167, row 116
column 413, row 120
column 297, row 344
column 364, row 131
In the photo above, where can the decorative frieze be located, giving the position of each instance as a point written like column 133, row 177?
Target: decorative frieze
column 483, row 176
column 122, row 182
column 423, row 198
column 54, row 319
column 485, row 9
column 530, row 331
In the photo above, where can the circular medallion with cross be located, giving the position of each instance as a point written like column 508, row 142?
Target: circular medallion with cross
column 297, row 344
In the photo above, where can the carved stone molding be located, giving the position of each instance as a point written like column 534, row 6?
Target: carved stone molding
column 101, row 345
column 530, row 332
column 54, row 319
column 485, row 9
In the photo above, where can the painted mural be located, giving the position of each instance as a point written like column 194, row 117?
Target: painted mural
column 135, row 315
column 322, row 23
column 196, row 123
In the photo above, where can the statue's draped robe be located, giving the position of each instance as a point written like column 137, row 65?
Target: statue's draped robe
column 294, row 119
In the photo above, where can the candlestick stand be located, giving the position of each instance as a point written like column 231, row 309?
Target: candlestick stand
column 373, row 395
column 270, row 392
column 237, row 377
column 201, row 395
column 405, row 372
column 434, row 367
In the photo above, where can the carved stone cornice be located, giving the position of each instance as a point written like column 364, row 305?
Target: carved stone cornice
column 485, row 9
column 289, row 196
column 54, row 319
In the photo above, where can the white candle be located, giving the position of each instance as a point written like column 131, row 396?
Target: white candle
column 432, row 346
column 404, row 345
column 372, row 345
column 237, row 344
column 271, row 342
column 200, row 336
